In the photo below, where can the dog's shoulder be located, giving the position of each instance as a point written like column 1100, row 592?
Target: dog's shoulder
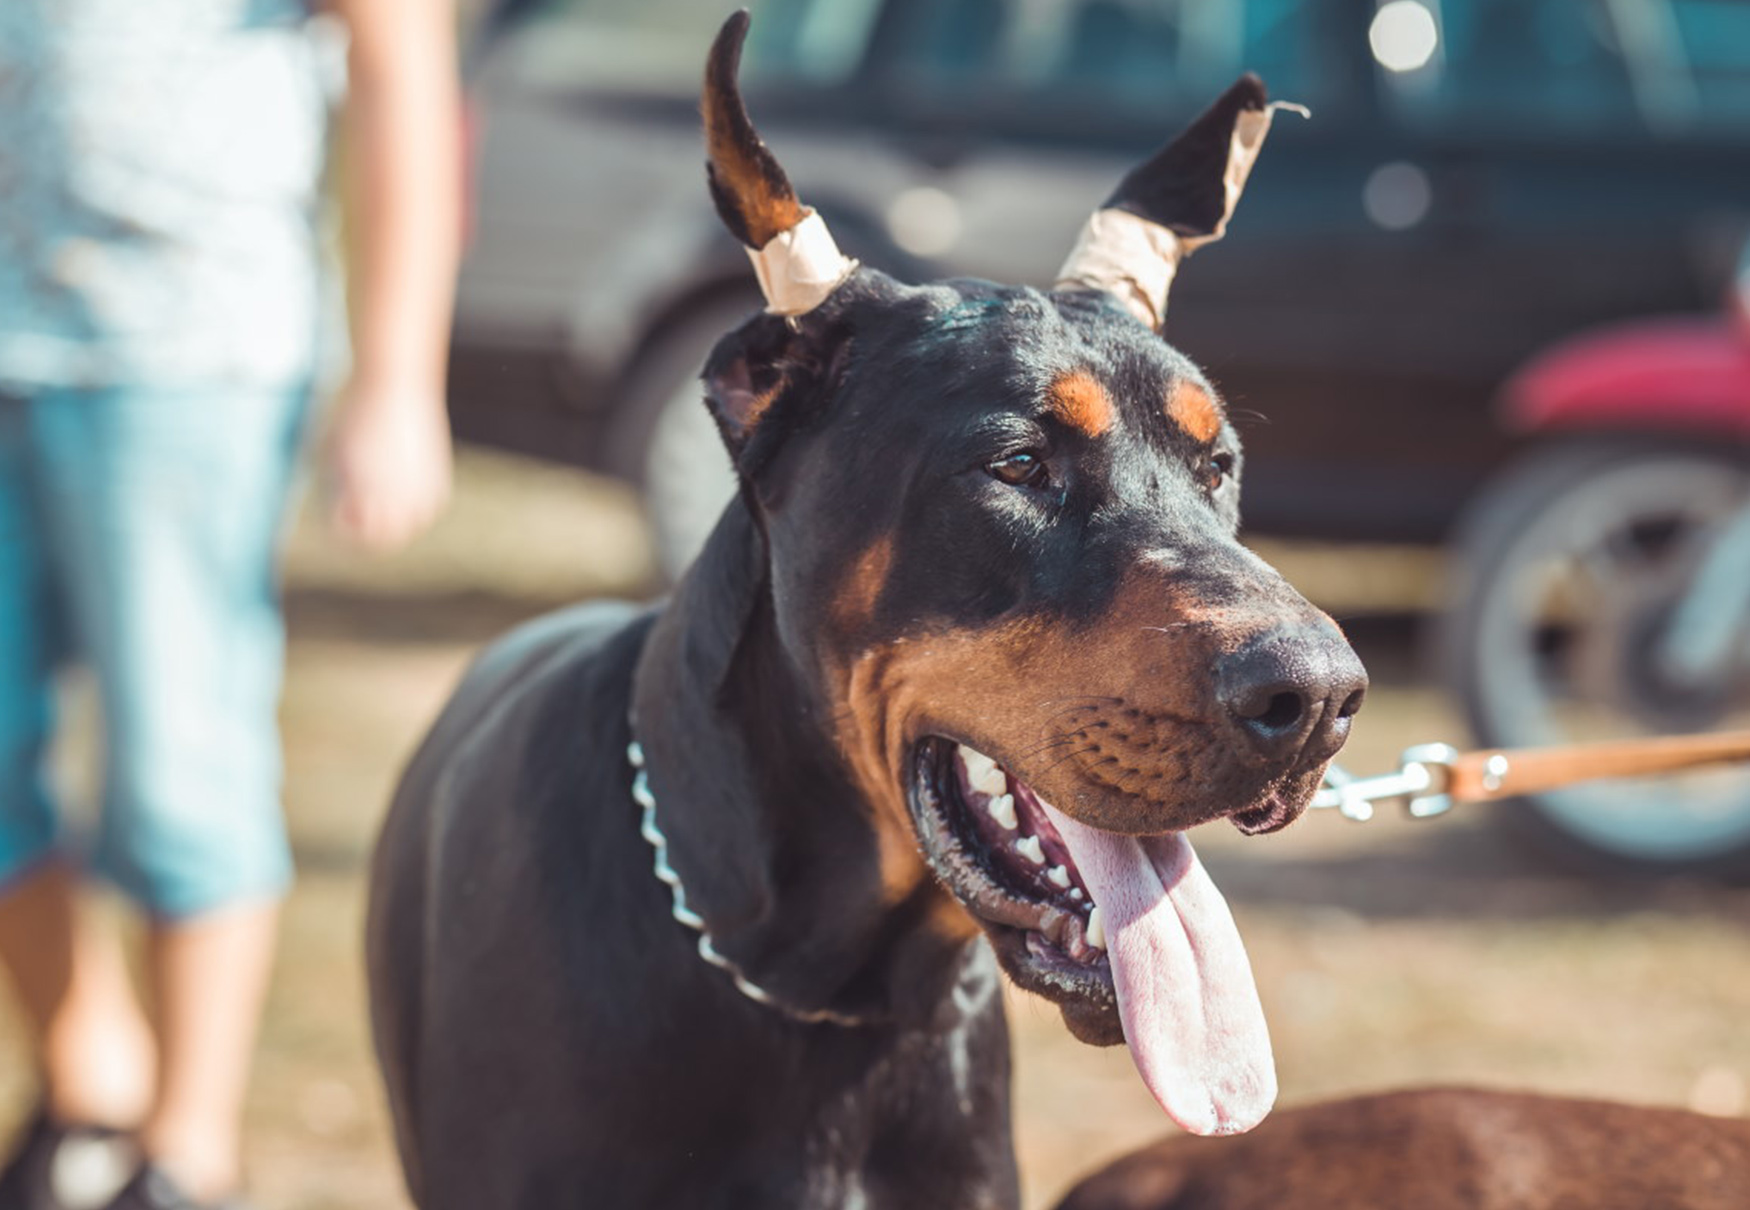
column 536, row 724
column 587, row 647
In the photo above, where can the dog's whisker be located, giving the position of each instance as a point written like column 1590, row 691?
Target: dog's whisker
column 1046, row 745
column 1069, row 756
column 1055, row 715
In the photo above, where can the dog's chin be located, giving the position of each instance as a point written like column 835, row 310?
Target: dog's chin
column 1282, row 802
column 984, row 833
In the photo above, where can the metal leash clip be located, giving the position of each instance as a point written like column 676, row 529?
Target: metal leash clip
column 1423, row 776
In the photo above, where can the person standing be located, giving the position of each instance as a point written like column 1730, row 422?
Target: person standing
column 159, row 300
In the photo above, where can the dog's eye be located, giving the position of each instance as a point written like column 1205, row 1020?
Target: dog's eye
column 1218, row 470
column 1019, row 470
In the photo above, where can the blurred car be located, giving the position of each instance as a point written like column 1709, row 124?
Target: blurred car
column 1480, row 179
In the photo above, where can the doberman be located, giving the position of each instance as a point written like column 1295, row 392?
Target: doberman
column 971, row 650
column 1443, row 1149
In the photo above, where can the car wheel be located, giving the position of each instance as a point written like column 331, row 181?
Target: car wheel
column 1570, row 564
column 667, row 443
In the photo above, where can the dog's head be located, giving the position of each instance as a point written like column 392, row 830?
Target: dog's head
column 1000, row 533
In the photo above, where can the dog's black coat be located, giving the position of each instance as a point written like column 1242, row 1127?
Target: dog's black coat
column 549, row 1032
column 541, row 1016
column 542, row 1019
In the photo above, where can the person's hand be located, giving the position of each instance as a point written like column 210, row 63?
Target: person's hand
column 389, row 462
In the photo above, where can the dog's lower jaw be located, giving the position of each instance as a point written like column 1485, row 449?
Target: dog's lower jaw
column 992, row 843
column 1088, row 1003
column 1285, row 802
column 1094, row 1026
column 1042, row 943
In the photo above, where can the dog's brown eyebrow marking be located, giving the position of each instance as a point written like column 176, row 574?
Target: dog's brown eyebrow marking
column 1078, row 399
column 1193, row 409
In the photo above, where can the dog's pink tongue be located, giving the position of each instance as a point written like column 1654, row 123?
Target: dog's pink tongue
column 1185, row 991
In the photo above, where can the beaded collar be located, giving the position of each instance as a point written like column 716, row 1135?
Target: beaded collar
column 646, row 800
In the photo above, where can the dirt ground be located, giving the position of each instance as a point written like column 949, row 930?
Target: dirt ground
column 1389, row 954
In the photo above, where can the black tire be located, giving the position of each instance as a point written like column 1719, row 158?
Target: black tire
column 1499, row 532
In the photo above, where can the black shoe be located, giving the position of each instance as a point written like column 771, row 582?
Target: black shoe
column 56, row 1167
column 153, row 1189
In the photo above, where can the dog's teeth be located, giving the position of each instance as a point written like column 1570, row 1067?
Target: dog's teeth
column 1002, row 809
column 1059, row 875
column 1096, row 931
column 1030, row 848
column 1075, row 893
column 982, row 773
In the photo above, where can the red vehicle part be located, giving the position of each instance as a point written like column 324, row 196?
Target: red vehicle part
column 1674, row 375
column 1604, row 571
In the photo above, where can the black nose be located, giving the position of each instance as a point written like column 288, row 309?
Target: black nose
column 1293, row 690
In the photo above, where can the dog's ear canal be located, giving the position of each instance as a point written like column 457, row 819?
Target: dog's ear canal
column 744, row 377
column 767, row 377
column 1172, row 204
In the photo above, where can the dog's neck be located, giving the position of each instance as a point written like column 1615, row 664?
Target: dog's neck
column 775, row 846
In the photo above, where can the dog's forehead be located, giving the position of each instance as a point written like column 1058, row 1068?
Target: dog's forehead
column 1077, row 357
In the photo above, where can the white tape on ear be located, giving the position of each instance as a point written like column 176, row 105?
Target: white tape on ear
column 1129, row 258
column 799, row 269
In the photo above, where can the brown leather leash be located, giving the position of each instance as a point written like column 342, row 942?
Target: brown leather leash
column 1433, row 778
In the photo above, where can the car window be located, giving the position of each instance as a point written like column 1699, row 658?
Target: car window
column 655, row 46
column 1546, row 67
column 819, row 41
column 1713, row 38
column 1127, row 55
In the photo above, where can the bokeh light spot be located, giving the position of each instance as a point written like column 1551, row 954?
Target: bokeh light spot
column 1403, row 35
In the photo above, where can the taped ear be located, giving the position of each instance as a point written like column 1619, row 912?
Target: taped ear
column 1172, row 204
column 794, row 255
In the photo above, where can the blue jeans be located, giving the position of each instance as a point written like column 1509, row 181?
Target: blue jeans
column 139, row 533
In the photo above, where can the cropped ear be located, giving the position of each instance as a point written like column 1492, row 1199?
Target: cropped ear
column 794, row 256
column 766, row 378
column 1173, row 203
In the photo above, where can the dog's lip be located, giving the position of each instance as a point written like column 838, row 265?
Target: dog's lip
column 1045, row 928
column 1286, row 801
column 1275, row 814
column 1048, row 937
column 1283, row 801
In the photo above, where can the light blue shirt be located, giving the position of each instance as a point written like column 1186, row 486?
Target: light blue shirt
column 159, row 163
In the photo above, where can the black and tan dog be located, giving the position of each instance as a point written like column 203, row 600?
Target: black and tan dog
column 971, row 651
